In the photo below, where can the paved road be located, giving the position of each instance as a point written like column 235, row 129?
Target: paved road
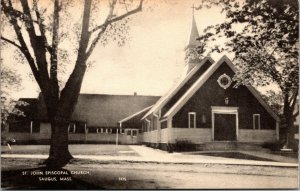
column 192, row 176
column 153, row 169
column 147, row 175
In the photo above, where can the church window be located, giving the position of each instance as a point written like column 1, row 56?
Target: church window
column 192, row 119
column 203, row 118
column 224, row 81
column 256, row 121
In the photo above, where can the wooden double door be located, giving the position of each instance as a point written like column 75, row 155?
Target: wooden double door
column 225, row 127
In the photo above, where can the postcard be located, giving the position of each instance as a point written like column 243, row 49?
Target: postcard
column 149, row 94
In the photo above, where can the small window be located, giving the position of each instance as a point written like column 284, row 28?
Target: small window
column 148, row 125
column 256, row 121
column 128, row 132
column 203, row 119
column 192, row 120
column 134, row 133
column 36, row 127
column 71, row 128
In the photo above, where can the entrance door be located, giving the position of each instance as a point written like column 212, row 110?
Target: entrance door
column 225, row 127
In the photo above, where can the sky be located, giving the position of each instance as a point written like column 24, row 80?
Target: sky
column 149, row 63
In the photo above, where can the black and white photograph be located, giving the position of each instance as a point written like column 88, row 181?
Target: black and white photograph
column 149, row 94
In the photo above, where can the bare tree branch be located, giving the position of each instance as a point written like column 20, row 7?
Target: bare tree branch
column 18, row 14
column 139, row 8
column 11, row 42
column 6, row 9
column 41, row 25
column 94, row 43
column 37, row 44
column 109, row 21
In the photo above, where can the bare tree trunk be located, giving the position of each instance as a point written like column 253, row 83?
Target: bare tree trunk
column 59, row 154
column 289, row 122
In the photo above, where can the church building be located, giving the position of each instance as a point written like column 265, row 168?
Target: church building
column 205, row 108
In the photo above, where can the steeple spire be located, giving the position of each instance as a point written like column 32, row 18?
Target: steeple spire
column 192, row 57
column 194, row 33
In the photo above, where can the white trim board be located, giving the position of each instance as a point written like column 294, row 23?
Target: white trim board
column 164, row 99
column 207, row 74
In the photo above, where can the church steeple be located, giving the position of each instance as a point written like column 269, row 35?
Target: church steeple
column 193, row 35
column 191, row 55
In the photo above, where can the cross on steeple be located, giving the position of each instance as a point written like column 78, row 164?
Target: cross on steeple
column 192, row 43
column 193, row 8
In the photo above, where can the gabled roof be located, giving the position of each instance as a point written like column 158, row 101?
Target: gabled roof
column 107, row 110
column 192, row 90
column 164, row 99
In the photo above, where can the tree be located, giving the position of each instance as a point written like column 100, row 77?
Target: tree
column 10, row 81
column 39, row 43
column 274, row 100
column 263, row 35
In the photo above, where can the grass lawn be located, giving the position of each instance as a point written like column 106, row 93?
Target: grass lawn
column 78, row 149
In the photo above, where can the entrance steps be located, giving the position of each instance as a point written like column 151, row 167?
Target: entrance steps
column 230, row 146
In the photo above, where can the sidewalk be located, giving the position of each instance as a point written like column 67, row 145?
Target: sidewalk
column 147, row 154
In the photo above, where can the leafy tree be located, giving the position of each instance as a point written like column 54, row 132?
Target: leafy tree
column 10, row 81
column 39, row 28
column 274, row 100
column 263, row 35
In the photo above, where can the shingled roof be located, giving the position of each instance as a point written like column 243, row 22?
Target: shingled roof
column 101, row 110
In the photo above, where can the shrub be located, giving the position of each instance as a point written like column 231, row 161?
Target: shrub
column 184, row 145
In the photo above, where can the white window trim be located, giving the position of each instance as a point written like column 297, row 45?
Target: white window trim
column 31, row 126
column 254, row 115
column 190, row 114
